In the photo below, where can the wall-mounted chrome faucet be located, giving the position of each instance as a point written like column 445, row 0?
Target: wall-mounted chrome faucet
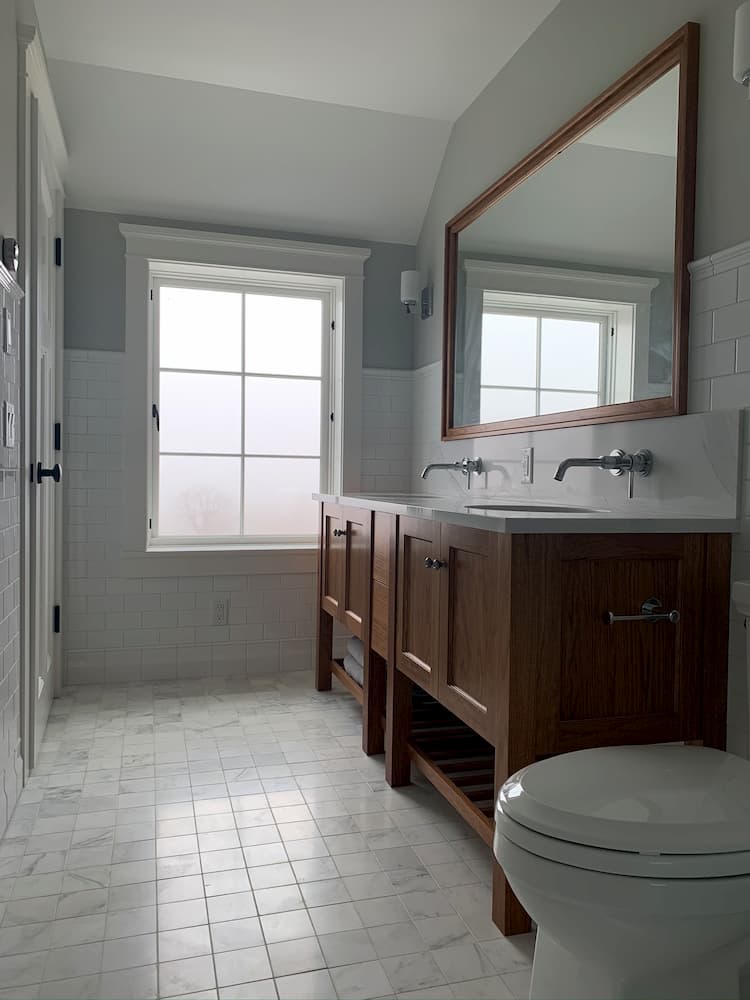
column 466, row 466
column 617, row 463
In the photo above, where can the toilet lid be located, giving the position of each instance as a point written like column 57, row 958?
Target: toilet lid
column 644, row 799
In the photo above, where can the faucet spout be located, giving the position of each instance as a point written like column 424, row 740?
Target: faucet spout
column 582, row 463
column 466, row 467
column 617, row 463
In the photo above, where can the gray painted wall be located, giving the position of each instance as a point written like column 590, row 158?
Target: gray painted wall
column 579, row 50
column 8, row 91
column 95, row 286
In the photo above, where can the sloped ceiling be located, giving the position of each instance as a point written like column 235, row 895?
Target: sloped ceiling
column 329, row 117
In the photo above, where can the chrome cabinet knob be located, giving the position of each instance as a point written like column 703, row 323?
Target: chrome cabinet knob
column 339, row 532
column 429, row 563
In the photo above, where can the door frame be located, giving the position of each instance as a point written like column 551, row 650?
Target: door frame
column 39, row 133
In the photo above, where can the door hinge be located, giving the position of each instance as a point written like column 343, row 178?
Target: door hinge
column 151, row 294
column 333, row 324
column 58, row 251
column 155, row 414
column 149, row 524
column 58, row 435
column 331, row 418
column 56, row 619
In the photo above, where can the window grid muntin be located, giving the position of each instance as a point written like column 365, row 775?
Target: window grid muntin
column 280, row 284
column 605, row 321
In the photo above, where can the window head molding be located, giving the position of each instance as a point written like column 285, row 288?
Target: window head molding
column 565, row 282
column 151, row 249
column 196, row 246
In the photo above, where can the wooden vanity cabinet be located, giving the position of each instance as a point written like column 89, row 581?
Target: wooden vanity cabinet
column 345, row 565
column 510, row 635
column 346, row 583
column 448, row 625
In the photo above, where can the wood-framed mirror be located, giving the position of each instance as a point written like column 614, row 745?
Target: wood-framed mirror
column 567, row 294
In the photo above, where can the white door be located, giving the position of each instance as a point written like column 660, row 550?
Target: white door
column 45, row 500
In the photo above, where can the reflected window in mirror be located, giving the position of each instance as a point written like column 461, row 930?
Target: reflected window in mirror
column 567, row 280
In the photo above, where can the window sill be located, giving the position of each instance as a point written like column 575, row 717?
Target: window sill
column 207, row 550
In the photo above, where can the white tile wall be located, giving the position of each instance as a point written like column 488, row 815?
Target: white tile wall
column 11, row 768
column 117, row 627
column 720, row 379
column 386, row 430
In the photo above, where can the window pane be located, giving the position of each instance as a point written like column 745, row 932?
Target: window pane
column 508, row 350
column 200, row 413
column 506, row 404
column 570, row 354
column 283, row 335
column 282, row 416
column 199, row 496
column 200, row 328
column 278, row 496
column 556, row 402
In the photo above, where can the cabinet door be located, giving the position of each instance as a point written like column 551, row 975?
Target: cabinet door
column 332, row 559
column 630, row 682
column 474, row 600
column 417, row 628
column 354, row 610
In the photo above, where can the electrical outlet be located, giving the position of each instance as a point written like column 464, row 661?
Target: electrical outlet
column 527, row 465
column 221, row 611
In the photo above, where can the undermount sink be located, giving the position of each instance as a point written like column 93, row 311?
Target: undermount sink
column 535, row 508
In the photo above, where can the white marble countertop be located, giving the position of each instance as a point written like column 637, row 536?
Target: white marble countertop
column 529, row 518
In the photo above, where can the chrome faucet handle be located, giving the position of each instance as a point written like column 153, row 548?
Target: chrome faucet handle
column 641, row 464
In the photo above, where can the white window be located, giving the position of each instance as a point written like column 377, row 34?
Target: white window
column 542, row 357
column 242, row 397
column 247, row 353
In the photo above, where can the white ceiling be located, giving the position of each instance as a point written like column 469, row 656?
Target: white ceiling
column 427, row 58
column 327, row 117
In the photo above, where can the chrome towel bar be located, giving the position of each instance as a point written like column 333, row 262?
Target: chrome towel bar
column 649, row 613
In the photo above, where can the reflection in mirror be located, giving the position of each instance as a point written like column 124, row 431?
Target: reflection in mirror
column 565, row 286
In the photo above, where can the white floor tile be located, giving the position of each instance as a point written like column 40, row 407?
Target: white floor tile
column 228, row 840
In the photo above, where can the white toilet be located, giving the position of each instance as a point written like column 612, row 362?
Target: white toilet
column 634, row 862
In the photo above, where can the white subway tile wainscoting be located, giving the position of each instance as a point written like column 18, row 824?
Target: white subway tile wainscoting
column 229, row 839
column 720, row 380
column 119, row 626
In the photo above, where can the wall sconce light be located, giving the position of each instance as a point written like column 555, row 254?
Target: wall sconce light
column 412, row 293
column 741, row 67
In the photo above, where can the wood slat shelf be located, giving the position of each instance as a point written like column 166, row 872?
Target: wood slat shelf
column 354, row 689
column 460, row 764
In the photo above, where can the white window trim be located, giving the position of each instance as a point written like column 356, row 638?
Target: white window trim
column 507, row 304
column 149, row 248
column 560, row 282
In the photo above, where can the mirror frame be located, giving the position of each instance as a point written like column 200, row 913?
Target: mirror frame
column 680, row 49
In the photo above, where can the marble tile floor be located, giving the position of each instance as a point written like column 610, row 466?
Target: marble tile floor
column 229, row 839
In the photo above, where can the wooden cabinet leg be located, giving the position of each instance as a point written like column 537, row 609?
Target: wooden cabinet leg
column 507, row 913
column 373, row 705
column 325, row 652
column 397, row 728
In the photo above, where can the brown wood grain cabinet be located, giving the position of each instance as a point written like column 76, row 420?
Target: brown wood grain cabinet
column 509, row 638
column 345, row 583
column 487, row 651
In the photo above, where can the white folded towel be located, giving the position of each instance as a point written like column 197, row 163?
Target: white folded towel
column 355, row 670
column 356, row 649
